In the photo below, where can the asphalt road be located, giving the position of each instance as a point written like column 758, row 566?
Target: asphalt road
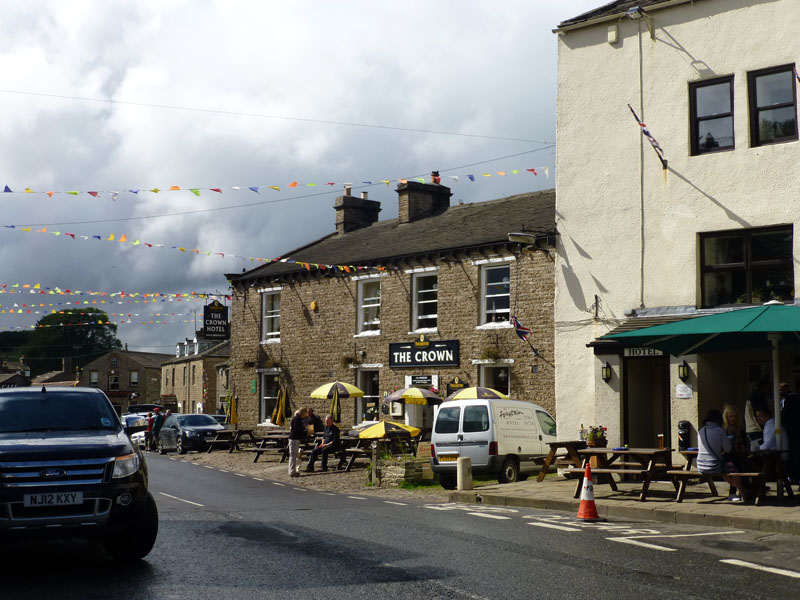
column 227, row 536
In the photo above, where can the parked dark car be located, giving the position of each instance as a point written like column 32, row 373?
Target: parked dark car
column 187, row 432
column 69, row 469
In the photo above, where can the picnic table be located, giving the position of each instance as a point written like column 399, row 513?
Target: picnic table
column 231, row 438
column 646, row 463
column 571, row 456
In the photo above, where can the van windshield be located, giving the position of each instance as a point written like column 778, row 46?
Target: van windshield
column 447, row 419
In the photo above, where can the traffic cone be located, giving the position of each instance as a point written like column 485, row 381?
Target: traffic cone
column 587, row 510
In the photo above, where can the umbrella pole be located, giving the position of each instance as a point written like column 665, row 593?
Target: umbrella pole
column 776, row 399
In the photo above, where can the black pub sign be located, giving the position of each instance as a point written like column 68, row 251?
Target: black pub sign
column 215, row 321
column 424, row 353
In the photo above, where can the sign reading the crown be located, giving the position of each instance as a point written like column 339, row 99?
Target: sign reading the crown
column 424, row 353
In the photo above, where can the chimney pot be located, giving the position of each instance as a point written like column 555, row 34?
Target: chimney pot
column 364, row 195
column 348, row 190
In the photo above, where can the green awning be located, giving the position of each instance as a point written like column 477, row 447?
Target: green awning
column 731, row 330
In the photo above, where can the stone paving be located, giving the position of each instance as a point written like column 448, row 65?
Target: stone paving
column 699, row 507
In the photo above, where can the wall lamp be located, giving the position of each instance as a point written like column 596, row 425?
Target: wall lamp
column 683, row 371
column 606, row 372
column 636, row 13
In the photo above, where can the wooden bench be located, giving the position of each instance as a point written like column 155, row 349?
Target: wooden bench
column 682, row 476
column 351, row 455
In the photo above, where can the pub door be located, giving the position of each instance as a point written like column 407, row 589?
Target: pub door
column 646, row 402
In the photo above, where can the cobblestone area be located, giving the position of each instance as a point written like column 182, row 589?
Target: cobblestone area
column 268, row 468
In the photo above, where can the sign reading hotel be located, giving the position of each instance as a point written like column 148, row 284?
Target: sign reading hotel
column 642, row 352
column 215, row 321
column 424, row 353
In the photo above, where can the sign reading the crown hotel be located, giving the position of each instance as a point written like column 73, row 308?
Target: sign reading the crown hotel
column 424, row 353
column 215, row 321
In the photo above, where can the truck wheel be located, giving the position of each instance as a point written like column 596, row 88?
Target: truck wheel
column 448, row 481
column 137, row 539
column 509, row 473
column 179, row 446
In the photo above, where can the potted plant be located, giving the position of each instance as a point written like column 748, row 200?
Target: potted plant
column 596, row 436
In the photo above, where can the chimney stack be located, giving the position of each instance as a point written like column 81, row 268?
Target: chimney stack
column 354, row 213
column 418, row 200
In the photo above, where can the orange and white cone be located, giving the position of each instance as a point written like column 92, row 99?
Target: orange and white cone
column 587, row 510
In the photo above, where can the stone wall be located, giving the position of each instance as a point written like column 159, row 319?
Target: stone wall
column 314, row 342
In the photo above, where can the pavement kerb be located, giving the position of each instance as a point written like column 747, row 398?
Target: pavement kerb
column 709, row 516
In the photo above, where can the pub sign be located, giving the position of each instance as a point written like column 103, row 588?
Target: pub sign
column 424, row 353
column 215, row 321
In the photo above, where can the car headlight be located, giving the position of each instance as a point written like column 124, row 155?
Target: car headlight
column 191, row 433
column 125, row 465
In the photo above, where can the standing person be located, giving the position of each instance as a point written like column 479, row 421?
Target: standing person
column 148, row 434
column 312, row 419
column 330, row 443
column 790, row 422
column 297, row 433
column 713, row 445
column 158, row 421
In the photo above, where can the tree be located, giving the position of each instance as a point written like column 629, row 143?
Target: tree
column 82, row 334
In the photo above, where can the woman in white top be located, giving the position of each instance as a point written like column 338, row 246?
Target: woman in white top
column 713, row 445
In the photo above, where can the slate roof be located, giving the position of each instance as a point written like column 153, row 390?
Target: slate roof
column 610, row 9
column 146, row 359
column 460, row 227
column 223, row 349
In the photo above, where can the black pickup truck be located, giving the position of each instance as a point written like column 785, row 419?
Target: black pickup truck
column 68, row 469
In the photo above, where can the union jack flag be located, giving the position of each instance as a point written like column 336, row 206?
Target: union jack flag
column 523, row 332
column 656, row 146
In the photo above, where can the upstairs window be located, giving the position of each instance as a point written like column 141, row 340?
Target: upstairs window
column 134, row 378
column 369, row 305
column 711, row 115
column 749, row 266
column 114, row 363
column 495, row 293
column 93, row 378
column 270, row 316
column 426, row 301
column 773, row 110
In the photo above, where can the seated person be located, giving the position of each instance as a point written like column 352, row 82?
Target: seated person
column 713, row 443
column 330, row 443
column 767, row 422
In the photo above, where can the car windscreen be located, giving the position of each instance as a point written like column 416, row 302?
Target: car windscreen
column 55, row 411
column 196, row 421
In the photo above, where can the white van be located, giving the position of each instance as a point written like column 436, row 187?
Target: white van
column 500, row 437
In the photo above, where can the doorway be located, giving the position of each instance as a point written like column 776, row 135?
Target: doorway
column 646, row 402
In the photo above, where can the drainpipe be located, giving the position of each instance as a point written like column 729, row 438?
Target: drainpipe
column 641, row 170
column 775, row 338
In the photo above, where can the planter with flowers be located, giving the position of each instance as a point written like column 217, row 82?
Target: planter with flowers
column 596, row 436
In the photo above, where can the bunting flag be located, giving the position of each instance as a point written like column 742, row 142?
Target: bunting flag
column 646, row 132
column 37, row 288
column 295, row 184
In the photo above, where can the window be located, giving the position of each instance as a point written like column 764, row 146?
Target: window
column 476, row 418
column 367, row 407
column 113, row 382
column 184, row 375
column 369, row 305
column 269, row 395
column 426, row 301
column 270, row 316
column 93, row 376
column 494, row 377
column 113, row 363
column 749, row 266
column 773, row 111
column 546, row 423
column 194, row 374
column 173, row 376
column 496, row 293
column 166, row 377
column 711, row 115
column 134, row 378
column 447, row 419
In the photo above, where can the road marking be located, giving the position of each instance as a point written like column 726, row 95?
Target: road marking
column 257, row 479
column 356, row 497
column 328, row 494
column 553, row 526
column 633, row 542
column 240, row 475
column 487, row 516
column 208, row 466
column 280, row 484
column 194, row 464
column 395, row 503
column 223, row 471
column 181, row 499
column 749, row 565
column 300, row 489
column 460, row 592
column 173, row 458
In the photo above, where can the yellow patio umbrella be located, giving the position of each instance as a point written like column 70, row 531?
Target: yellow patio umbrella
column 335, row 391
column 413, row 395
column 477, row 393
column 233, row 411
column 279, row 414
column 388, row 429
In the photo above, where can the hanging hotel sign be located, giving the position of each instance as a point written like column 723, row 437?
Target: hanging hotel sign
column 215, row 321
column 424, row 353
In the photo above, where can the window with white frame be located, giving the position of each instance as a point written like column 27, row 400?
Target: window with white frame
column 270, row 315
column 369, row 305
column 269, row 395
column 495, row 377
column 426, row 301
column 134, row 378
column 495, row 293
column 93, row 378
column 367, row 407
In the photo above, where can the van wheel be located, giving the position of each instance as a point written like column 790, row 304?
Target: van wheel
column 448, row 481
column 509, row 473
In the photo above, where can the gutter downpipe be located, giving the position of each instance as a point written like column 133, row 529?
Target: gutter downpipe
column 641, row 170
column 775, row 338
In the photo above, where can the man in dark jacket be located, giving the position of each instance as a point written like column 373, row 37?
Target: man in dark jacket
column 158, row 421
column 330, row 443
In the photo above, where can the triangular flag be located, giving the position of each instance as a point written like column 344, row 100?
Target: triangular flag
column 546, row 171
column 72, row 235
column 218, row 190
column 254, row 188
column 471, row 177
column 29, row 191
column 72, row 193
column 275, row 187
column 96, row 237
column 293, row 184
column 122, row 238
column 136, row 243
column 174, row 187
column 7, row 190
column 155, row 190
column 50, row 194
column 134, row 191
column 195, row 191
column 110, row 238
column 92, row 194
column 114, row 195
column 532, row 171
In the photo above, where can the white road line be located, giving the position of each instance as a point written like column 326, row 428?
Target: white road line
column 181, row 499
column 328, row 494
column 641, row 544
column 223, row 471
column 553, row 526
column 173, row 458
column 678, row 535
column 279, row 484
column 300, row 489
column 395, row 503
column 208, row 466
column 257, row 479
column 194, row 464
column 240, row 475
column 485, row 516
column 356, row 497
column 749, row 565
